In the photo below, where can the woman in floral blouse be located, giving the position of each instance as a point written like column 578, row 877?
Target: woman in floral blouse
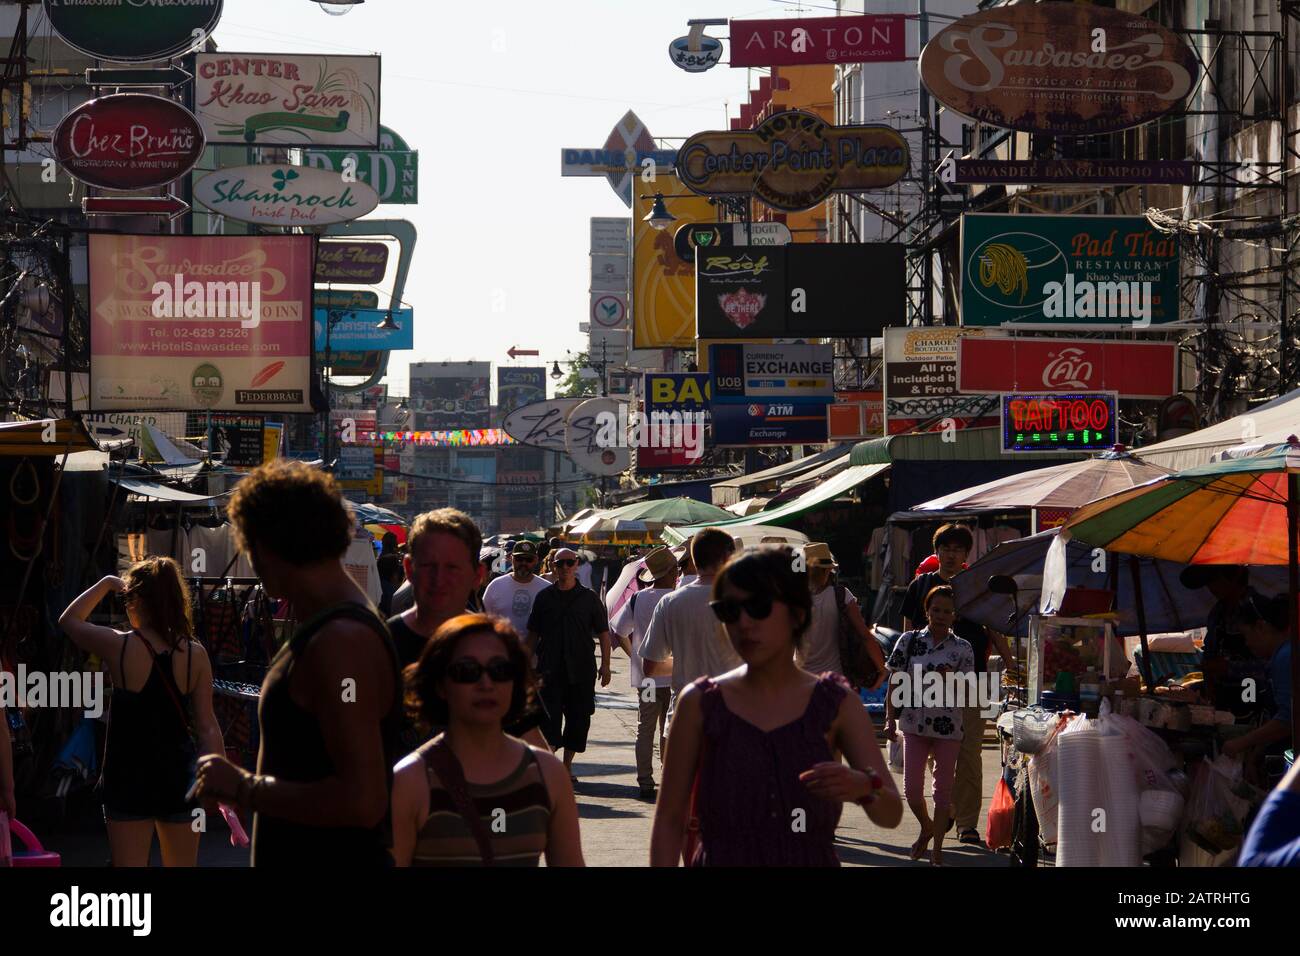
column 931, row 730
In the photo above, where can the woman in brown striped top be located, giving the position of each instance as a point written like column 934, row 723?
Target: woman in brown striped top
column 473, row 795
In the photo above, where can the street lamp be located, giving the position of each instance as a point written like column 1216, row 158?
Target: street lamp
column 344, row 6
column 388, row 325
column 659, row 217
column 555, row 371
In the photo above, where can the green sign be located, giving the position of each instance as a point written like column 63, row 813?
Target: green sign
column 1067, row 271
column 132, row 31
column 393, row 172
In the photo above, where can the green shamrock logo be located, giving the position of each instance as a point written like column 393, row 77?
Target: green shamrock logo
column 283, row 177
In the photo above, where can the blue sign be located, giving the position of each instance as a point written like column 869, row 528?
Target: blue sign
column 788, row 421
column 357, row 330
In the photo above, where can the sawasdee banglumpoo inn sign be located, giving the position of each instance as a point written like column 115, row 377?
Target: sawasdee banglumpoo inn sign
column 792, row 160
column 1062, row 68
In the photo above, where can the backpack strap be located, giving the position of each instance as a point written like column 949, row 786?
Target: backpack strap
column 452, row 776
column 169, row 682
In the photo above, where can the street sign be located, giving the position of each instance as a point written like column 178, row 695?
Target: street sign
column 515, row 353
column 128, row 141
column 168, row 76
column 169, row 206
column 356, row 330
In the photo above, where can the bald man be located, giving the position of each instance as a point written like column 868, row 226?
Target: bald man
column 565, row 620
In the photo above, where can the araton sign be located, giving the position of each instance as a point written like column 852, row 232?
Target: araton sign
column 133, row 31
column 276, row 195
column 1062, row 68
column 793, row 160
column 128, row 141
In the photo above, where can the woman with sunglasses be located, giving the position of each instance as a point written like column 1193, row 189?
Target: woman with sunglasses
column 929, row 731
column 753, row 755
column 473, row 795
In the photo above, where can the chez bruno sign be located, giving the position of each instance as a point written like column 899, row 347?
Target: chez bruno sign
column 1063, row 68
column 133, row 31
column 279, row 195
column 128, row 141
column 792, row 160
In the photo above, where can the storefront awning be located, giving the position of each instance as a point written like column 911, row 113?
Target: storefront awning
column 731, row 490
column 827, row 491
column 151, row 489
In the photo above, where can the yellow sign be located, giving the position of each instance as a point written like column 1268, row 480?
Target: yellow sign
column 271, row 433
column 663, row 286
column 373, row 486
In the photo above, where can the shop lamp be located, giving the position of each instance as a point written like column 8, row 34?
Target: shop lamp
column 555, row 371
column 388, row 325
column 659, row 217
column 337, row 8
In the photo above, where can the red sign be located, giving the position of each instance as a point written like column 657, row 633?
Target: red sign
column 1133, row 369
column 856, row 415
column 803, row 42
column 129, row 141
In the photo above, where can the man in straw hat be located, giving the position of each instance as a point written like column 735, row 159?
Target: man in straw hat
column 820, row 650
column 629, row 628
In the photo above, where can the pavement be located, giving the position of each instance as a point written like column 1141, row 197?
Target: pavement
column 615, row 822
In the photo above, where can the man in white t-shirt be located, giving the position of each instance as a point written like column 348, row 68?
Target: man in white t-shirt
column 683, row 626
column 629, row 627
column 819, row 651
column 511, row 595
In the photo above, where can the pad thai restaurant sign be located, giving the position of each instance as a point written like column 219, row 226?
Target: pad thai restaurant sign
column 1067, row 271
column 793, row 160
column 1062, row 68
column 282, row 99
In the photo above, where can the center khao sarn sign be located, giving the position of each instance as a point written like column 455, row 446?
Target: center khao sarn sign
column 279, row 195
column 1061, row 68
column 1067, row 271
column 793, row 160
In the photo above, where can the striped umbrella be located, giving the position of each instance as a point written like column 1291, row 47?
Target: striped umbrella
column 1238, row 511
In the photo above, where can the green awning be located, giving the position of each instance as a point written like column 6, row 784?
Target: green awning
column 827, row 491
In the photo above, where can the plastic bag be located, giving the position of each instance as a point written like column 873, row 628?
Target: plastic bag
column 896, row 753
column 1043, row 789
column 1215, row 819
column 1151, row 758
column 1001, row 823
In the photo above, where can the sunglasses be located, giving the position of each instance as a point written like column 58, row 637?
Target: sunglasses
column 499, row 671
column 524, row 557
column 728, row 610
column 566, row 563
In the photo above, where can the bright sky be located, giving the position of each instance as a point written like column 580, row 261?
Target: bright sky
column 489, row 92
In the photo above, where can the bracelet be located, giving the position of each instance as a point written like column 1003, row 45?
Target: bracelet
column 259, row 781
column 243, row 791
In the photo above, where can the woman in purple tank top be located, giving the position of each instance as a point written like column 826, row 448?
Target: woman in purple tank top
column 752, row 775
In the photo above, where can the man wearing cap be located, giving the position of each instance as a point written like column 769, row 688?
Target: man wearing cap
column 629, row 628
column 1226, row 661
column 565, row 619
column 511, row 595
column 820, row 649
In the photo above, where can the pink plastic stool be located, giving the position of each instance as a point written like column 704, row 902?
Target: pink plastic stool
column 33, row 854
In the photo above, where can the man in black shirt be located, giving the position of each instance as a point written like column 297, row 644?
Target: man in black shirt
column 564, row 621
column 952, row 545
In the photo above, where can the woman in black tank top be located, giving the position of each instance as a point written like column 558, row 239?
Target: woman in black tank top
column 331, row 702
column 161, row 712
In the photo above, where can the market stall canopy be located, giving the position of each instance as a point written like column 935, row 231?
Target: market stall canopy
column 152, row 489
column 1263, row 425
column 1069, row 485
column 671, row 511
column 757, row 535
column 827, row 491
column 731, row 490
column 748, row 506
column 44, row 438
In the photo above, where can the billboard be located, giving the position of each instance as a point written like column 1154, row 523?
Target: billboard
column 812, row 40
column 287, row 99
column 239, row 440
column 450, row 395
column 663, row 286
column 517, row 387
column 1131, row 369
column 666, row 393
column 817, row 290
column 357, row 330
column 856, row 415
column 740, row 373
column 1067, row 271
column 628, row 145
column 770, row 422
column 118, row 30
column 1087, row 421
column 198, row 323
column 1063, row 68
column 920, row 382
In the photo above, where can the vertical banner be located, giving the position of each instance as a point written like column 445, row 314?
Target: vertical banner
column 663, row 286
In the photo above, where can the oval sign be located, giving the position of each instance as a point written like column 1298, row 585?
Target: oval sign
column 129, row 141
column 542, row 423
column 695, row 61
column 1060, row 68
column 133, row 31
column 281, row 195
column 597, row 437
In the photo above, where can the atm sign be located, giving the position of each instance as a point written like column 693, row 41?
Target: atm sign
column 1085, row 421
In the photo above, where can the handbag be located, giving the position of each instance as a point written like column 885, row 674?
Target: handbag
column 855, row 660
column 452, row 776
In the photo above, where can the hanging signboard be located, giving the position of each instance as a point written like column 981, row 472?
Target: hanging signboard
column 517, row 387
column 795, row 421
column 542, row 423
column 706, row 54
column 622, row 159
column 278, row 195
column 200, row 322
column 804, row 42
column 1158, row 172
column 740, row 373
column 663, row 286
column 856, row 415
column 238, row 440
column 793, row 160
column 393, row 171
column 920, row 382
column 725, row 235
column 356, row 330
column 1063, row 68
column 609, row 273
column 128, row 141
column 1067, row 271
column 676, row 410
column 353, row 263
column 1086, row 421
column 120, row 30
column 609, row 235
column 287, row 99
column 1130, row 369
column 595, row 445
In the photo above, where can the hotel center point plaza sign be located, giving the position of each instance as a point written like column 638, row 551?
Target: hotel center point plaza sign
column 793, row 160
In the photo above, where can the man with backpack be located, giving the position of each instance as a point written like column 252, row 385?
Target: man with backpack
column 838, row 639
column 629, row 628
